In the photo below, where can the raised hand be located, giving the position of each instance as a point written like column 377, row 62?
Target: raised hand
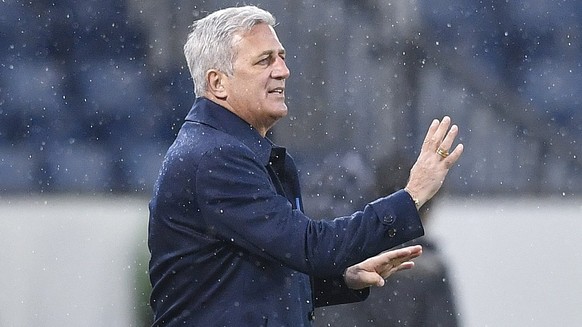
column 434, row 161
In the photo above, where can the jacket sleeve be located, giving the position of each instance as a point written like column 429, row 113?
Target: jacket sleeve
column 332, row 291
column 240, row 205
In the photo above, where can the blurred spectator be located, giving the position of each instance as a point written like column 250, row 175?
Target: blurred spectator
column 418, row 297
column 334, row 182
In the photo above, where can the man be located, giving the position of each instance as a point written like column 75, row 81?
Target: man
column 230, row 245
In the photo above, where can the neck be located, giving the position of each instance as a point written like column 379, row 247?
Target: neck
column 258, row 126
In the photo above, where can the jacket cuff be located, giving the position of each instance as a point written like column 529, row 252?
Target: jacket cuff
column 332, row 291
column 399, row 216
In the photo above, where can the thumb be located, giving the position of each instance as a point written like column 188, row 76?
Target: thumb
column 380, row 282
column 375, row 279
column 367, row 279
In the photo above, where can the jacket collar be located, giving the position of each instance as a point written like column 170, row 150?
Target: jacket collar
column 206, row 112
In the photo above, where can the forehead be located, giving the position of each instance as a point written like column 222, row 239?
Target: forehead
column 259, row 39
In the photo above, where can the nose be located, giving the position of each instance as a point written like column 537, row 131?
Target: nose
column 280, row 70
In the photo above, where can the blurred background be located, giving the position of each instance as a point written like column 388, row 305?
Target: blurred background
column 93, row 92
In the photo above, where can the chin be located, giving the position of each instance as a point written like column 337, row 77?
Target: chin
column 279, row 109
column 283, row 111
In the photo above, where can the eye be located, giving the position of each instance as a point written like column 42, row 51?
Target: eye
column 264, row 61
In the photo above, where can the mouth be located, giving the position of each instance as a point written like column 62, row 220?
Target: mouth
column 277, row 90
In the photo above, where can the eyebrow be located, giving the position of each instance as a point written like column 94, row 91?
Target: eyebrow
column 270, row 52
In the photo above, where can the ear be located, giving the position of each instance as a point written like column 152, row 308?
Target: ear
column 216, row 83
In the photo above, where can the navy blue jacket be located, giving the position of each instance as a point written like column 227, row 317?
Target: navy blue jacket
column 230, row 245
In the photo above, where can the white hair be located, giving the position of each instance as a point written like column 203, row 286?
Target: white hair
column 211, row 42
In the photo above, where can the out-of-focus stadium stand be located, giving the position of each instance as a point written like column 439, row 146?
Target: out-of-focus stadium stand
column 92, row 92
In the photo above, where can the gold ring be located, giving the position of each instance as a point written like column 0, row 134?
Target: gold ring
column 442, row 153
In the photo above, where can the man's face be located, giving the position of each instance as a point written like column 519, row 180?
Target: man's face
column 256, row 89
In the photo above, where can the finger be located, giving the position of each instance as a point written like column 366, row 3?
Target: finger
column 447, row 142
column 430, row 133
column 454, row 156
column 441, row 131
column 403, row 251
column 381, row 282
column 403, row 266
column 398, row 263
column 370, row 278
column 396, row 257
column 415, row 250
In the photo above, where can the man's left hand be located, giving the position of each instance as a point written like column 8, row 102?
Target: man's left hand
column 373, row 271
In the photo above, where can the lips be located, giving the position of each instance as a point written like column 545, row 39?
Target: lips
column 277, row 90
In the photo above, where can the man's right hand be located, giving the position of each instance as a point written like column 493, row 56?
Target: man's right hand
column 434, row 161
